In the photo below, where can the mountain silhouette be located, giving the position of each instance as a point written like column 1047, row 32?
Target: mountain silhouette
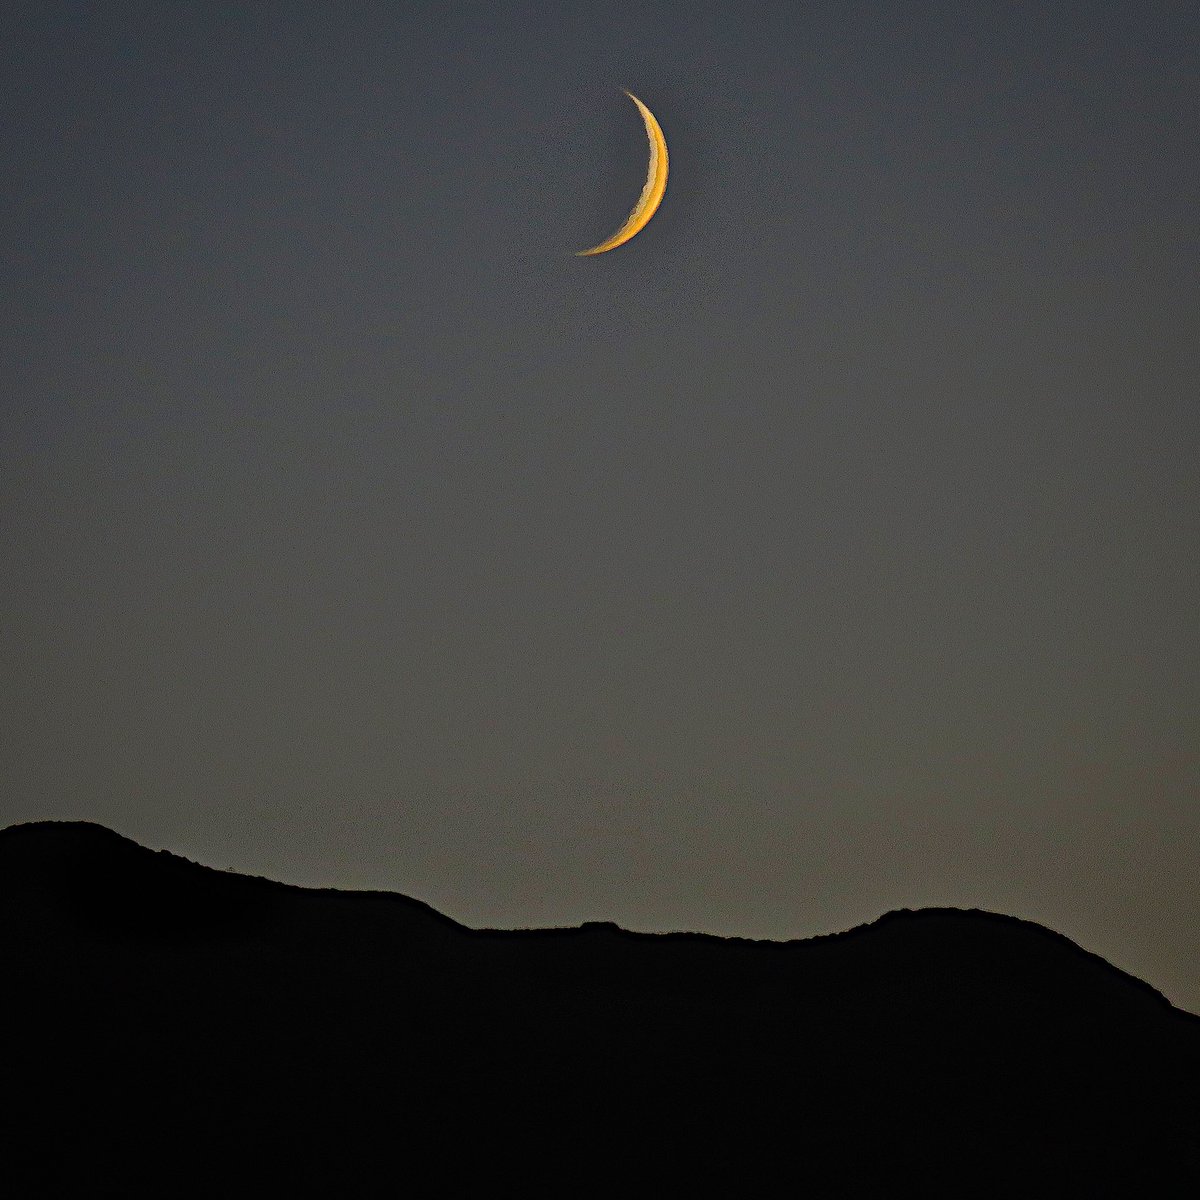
column 177, row 1030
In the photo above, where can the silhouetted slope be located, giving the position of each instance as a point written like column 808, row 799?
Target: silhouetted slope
column 180, row 1029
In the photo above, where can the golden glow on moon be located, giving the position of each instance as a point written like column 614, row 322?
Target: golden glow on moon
column 652, row 193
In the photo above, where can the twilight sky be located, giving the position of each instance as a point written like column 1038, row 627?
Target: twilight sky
column 832, row 547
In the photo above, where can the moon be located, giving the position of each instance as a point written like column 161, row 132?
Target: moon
column 652, row 193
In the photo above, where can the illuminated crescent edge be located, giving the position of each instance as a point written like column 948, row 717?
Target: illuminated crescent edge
column 652, row 193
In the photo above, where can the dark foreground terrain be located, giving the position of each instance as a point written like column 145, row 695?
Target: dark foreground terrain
column 176, row 1030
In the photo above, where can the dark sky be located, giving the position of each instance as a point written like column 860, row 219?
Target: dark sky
column 831, row 547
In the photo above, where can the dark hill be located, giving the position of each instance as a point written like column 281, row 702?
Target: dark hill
column 174, row 1030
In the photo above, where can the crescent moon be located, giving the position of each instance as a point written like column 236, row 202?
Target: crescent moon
column 652, row 193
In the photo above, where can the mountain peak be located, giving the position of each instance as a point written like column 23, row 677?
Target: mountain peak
column 355, row 1041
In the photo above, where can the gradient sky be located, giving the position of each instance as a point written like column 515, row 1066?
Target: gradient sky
column 830, row 548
